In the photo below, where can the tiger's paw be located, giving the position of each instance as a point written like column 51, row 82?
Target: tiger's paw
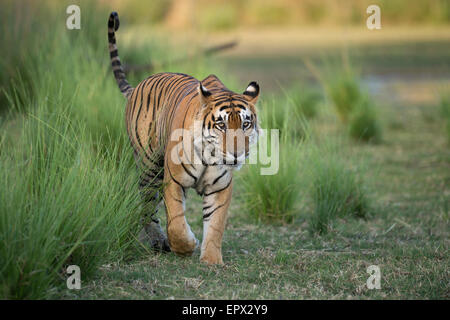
column 183, row 245
column 184, row 249
column 211, row 258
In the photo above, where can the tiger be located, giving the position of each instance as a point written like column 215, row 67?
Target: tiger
column 207, row 116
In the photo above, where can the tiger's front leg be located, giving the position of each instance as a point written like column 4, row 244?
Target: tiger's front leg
column 182, row 240
column 215, row 210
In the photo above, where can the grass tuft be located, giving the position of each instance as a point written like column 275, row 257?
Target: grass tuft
column 284, row 115
column 352, row 103
column 305, row 100
column 364, row 124
column 274, row 198
column 336, row 191
column 345, row 93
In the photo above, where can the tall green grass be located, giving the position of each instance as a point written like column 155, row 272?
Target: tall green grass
column 68, row 192
column 31, row 31
column 61, row 202
column 18, row 22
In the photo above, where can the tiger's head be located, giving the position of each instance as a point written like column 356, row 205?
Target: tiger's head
column 229, row 124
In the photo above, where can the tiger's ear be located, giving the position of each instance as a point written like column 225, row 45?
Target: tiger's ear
column 204, row 94
column 252, row 92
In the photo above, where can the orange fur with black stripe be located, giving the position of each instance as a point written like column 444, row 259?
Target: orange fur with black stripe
column 187, row 133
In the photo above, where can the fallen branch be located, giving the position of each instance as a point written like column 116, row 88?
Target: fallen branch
column 152, row 66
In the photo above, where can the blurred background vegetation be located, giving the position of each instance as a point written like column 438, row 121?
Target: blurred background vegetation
column 364, row 127
column 235, row 14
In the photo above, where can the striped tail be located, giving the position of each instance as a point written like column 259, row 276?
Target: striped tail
column 119, row 74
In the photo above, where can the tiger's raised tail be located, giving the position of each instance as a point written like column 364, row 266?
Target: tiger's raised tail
column 119, row 74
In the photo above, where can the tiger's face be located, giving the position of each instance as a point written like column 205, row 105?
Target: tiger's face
column 229, row 126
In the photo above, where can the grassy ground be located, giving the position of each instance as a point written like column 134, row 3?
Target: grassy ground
column 406, row 236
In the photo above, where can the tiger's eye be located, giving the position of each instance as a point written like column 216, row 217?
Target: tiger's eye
column 221, row 125
column 247, row 124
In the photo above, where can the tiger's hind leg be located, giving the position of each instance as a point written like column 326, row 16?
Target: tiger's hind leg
column 152, row 233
